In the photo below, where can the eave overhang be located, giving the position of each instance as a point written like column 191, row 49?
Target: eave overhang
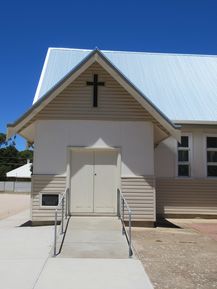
column 195, row 122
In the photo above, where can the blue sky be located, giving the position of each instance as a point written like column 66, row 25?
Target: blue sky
column 28, row 28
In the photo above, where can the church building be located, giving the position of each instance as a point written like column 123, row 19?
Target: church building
column 143, row 123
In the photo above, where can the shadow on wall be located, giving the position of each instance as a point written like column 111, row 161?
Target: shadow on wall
column 134, row 139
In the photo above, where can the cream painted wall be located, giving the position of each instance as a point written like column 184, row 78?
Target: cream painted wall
column 165, row 158
column 134, row 138
column 166, row 153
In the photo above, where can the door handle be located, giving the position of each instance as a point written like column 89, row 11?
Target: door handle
column 95, row 174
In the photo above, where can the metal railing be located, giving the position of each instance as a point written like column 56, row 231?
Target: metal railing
column 121, row 206
column 63, row 207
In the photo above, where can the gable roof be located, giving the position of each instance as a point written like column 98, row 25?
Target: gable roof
column 94, row 56
column 182, row 87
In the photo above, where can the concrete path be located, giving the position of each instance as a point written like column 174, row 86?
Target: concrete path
column 68, row 273
column 26, row 262
column 94, row 237
column 23, row 252
column 94, row 255
column 13, row 203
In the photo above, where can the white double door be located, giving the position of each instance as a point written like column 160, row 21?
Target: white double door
column 93, row 181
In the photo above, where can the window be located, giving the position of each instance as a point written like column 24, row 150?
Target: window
column 211, row 156
column 49, row 200
column 184, row 168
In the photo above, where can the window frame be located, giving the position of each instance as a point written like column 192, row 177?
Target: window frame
column 48, row 207
column 206, row 150
column 189, row 163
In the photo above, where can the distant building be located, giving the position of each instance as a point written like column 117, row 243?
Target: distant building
column 21, row 172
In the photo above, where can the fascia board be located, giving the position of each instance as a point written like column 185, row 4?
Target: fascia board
column 49, row 96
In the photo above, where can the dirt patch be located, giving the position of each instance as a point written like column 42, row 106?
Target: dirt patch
column 177, row 258
column 207, row 229
column 13, row 203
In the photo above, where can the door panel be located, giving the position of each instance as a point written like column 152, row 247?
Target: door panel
column 105, row 181
column 82, row 165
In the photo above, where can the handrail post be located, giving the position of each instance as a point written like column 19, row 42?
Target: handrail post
column 130, row 237
column 69, row 194
column 63, row 209
column 66, row 205
column 55, row 233
column 123, row 231
column 62, row 216
column 118, row 204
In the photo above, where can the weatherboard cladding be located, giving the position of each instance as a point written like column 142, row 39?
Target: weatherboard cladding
column 183, row 87
column 139, row 191
column 114, row 103
column 186, row 196
column 140, row 195
column 48, row 184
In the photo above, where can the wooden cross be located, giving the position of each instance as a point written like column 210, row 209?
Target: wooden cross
column 95, row 84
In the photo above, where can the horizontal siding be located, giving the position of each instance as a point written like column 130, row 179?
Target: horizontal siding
column 45, row 184
column 140, row 195
column 114, row 102
column 139, row 192
column 186, row 196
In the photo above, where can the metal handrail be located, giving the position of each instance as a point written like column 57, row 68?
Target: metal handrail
column 63, row 204
column 121, row 205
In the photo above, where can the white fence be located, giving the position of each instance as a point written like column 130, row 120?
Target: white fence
column 17, row 187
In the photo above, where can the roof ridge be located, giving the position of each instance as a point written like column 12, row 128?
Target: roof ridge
column 66, row 48
column 137, row 52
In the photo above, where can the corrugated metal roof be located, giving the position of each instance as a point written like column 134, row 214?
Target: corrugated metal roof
column 183, row 87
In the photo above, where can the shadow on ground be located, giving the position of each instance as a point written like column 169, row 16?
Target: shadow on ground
column 26, row 224
column 164, row 223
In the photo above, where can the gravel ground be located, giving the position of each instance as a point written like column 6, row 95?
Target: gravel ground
column 177, row 258
column 13, row 203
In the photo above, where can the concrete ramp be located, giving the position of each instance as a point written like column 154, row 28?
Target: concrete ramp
column 94, row 255
column 94, row 237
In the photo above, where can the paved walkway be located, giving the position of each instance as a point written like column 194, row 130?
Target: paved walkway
column 94, row 237
column 26, row 262
column 13, row 203
column 68, row 273
column 94, row 256
column 23, row 252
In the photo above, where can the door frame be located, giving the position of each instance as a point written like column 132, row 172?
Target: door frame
column 70, row 150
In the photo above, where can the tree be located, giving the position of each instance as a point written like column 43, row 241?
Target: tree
column 2, row 139
column 4, row 142
column 26, row 154
column 8, row 160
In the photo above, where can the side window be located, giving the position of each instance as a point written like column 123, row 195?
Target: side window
column 183, row 155
column 49, row 200
column 211, row 156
